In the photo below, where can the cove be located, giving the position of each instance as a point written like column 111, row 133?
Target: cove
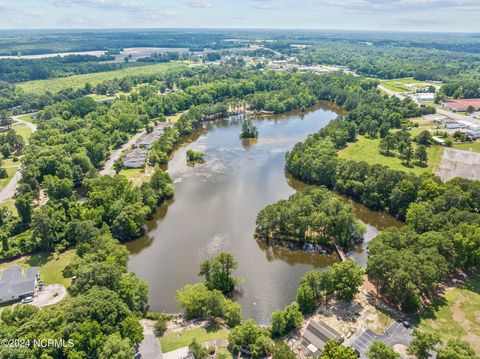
column 215, row 207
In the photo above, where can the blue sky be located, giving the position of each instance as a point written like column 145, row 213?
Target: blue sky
column 404, row 15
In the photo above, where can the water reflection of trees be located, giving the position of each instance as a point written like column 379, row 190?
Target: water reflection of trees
column 273, row 253
column 138, row 245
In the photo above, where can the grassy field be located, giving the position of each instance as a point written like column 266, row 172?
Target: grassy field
column 174, row 340
column 28, row 118
column 10, row 204
column 79, row 81
column 399, row 85
column 367, row 150
column 456, row 315
column 11, row 169
column 51, row 265
column 22, row 130
column 133, row 174
column 469, row 146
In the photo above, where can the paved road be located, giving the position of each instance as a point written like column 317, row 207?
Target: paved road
column 150, row 346
column 454, row 115
column 108, row 168
column 9, row 190
column 390, row 92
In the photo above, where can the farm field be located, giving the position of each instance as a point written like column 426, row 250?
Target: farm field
column 367, row 150
column 79, row 81
column 455, row 316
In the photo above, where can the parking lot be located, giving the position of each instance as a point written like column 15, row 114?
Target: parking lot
column 396, row 334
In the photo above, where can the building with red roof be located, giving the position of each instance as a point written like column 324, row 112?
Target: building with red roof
column 462, row 105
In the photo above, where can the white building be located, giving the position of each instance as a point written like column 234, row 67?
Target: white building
column 425, row 97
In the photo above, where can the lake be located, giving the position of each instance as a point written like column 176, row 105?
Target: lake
column 215, row 207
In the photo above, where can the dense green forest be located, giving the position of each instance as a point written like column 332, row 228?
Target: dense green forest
column 389, row 62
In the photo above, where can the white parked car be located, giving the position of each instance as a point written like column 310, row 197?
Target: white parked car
column 28, row 299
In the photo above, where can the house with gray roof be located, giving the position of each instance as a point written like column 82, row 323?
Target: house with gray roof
column 17, row 283
column 135, row 158
column 317, row 334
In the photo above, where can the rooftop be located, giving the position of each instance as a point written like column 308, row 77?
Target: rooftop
column 462, row 103
column 15, row 282
column 318, row 333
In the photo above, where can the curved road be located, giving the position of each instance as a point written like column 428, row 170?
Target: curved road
column 9, row 190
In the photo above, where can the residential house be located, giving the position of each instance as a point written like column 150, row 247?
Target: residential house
column 135, row 158
column 15, row 283
column 317, row 334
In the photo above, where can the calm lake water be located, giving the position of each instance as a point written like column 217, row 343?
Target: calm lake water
column 215, row 208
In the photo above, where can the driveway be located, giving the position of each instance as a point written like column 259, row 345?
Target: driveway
column 115, row 155
column 180, row 353
column 9, row 190
column 17, row 119
column 149, row 348
column 395, row 334
column 51, row 294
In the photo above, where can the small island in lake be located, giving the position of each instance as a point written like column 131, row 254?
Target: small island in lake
column 195, row 156
column 313, row 219
column 249, row 130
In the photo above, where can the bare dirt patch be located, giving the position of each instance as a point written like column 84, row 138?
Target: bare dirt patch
column 365, row 311
column 458, row 163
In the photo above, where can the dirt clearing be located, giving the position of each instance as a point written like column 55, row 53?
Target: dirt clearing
column 458, row 163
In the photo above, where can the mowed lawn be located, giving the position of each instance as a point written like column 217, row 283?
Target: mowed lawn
column 468, row 146
column 366, row 149
column 457, row 315
column 398, row 85
column 79, row 81
column 11, row 168
column 22, row 130
column 174, row 340
column 28, row 118
column 51, row 265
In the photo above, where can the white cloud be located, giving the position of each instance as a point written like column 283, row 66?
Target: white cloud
column 198, row 3
column 373, row 5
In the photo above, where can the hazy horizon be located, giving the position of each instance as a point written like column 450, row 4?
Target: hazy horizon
column 455, row 16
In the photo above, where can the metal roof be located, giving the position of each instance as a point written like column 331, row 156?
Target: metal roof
column 318, row 333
